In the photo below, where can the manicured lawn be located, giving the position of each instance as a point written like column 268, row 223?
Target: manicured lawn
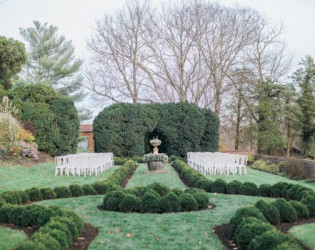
column 10, row 238
column 142, row 177
column 305, row 233
column 155, row 231
column 258, row 177
column 43, row 175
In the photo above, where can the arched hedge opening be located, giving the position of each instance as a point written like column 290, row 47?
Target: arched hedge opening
column 125, row 129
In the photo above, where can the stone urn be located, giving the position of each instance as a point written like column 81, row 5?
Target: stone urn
column 155, row 161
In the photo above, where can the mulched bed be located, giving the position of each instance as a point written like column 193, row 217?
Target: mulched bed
column 221, row 232
column 82, row 242
column 183, row 179
column 125, row 182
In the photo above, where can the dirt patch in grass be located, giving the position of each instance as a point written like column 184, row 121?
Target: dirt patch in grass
column 86, row 237
column 125, row 182
column 27, row 230
column 221, row 232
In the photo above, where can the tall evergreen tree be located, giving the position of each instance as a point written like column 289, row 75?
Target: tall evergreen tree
column 305, row 80
column 12, row 58
column 51, row 60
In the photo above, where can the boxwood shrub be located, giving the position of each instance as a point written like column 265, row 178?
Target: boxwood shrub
column 233, row 186
column 48, row 193
column 277, row 189
column 302, row 211
column 129, row 203
column 270, row 212
column 76, row 190
column 287, row 211
column 219, row 186
column 112, row 200
column 200, row 196
column 62, row 192
column 88, row 189
column 188, row 202
column 160, row 188
column 170, row 203
column 264, row 190
column 248, row 188
column 309, row 201
column 150, row 202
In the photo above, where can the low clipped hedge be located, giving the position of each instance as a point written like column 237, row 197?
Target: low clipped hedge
column 155, row 198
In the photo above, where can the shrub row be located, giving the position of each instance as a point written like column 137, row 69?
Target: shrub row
column 250, row 228
column 155, row 198
column 278, row 190
column 35, row 194
column 58, row 227
column 123, row 160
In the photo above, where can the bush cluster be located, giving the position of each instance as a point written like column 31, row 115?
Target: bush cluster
column 125, row 129
column 265, row 167
column 155, row 198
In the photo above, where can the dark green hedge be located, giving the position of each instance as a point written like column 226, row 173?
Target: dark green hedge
column 125, row 129
column 54, row 117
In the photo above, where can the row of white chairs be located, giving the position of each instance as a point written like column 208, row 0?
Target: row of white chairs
column 217, row 163
column 83, row 164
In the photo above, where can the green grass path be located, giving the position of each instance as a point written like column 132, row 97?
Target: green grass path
column 10, row 238
column 142, row 177
column 305, row 233
column 42, row 175
column 155, row 231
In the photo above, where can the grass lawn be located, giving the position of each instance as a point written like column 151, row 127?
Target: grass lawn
column 305, row 233
column 258, row 177
column 142, row 177
column 10, row 238
column 155, row 231
column 42, row 175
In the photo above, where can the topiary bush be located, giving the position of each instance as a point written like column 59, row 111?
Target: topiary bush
column 112, row 200
column 11, row 197
column 76, row 190
column 150, row 202
column 270, row 212
column 88, row 190
column 233, row 186
column 264, row 190
column 200, row 196
column 160, row 188
column 277, row 189
column 120, row 160
column 62, row 192
column 248, row 188
column 48, row 241
column 301, row 210
column 170, row 203
column 177, row 191
column 24, row 196
column 219, row 186
column 48, row 193
column 15, row 215
column 34, row 194
column 101, row 187
column 59, row 235
column 130, row 203
column 188, row 202
column 309, row 201
column 287, row 212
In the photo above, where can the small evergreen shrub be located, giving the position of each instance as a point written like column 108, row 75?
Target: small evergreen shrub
column 268, row 240
column 233, row 186
column 302, row 211
column 248, row 229
column 241, row 214
column 293, row 192
column 31, row 245
column 70, row 224
column 160, row 188
column 48, row 193
column 59, row 235
column 285, row 190
column 102, row 187
column 277, row 189
column 15, row 215
column 288, row 246
column 309, row 201
column 264, row 190
column 62, row 227
column 188, row 202
column 88, row 190
column 170, row 203
column 24, row 196
column 200, row 196
column 34, row 194
column 48, row 241
column 113, row 199
column 219, row 186
column 62, row 192
column 11, row 197
column 76, row 190
column 5, row 212
column 120, row 160
column 287, row 212
column 248, row 188
column 130, row 203
column 270, row 212
column 150, row 202
column 177, row 191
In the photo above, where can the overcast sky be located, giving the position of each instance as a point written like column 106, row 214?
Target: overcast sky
column 76, row 18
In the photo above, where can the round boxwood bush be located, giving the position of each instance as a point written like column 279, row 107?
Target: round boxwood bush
column 62, row 227
column 70, row 224
column 102, row 187
column 264, row 190
column 241, row 214
column 285, row 190
column 293, row 192
column 204, row 184
column 200, row 196
column 48, row 194
column 59, row 235
column 15, row 215
column 268, row 240
column 287, row 212
column 112, row 200
column 301, row 209
column 188, row 202
column 233, row 186
column 277, row 189
column 247, row 188
column 287, row 246
column 5, row 212
column 30, row 244
column 270, row 212
column 130, row 203
column 150, row 202
column 48, row 241
column 76, row 190
column 88, row 190
column 248, row 229
column 62, row 192
column 170, row 203
column 219, row 186
column 34, row 194
column 177, row 191
column 309, row 201
column 11, row 197
column 160, row 188
column 24, row 196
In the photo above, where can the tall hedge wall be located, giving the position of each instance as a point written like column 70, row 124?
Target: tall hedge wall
column 53, row 116
column 125, row 129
